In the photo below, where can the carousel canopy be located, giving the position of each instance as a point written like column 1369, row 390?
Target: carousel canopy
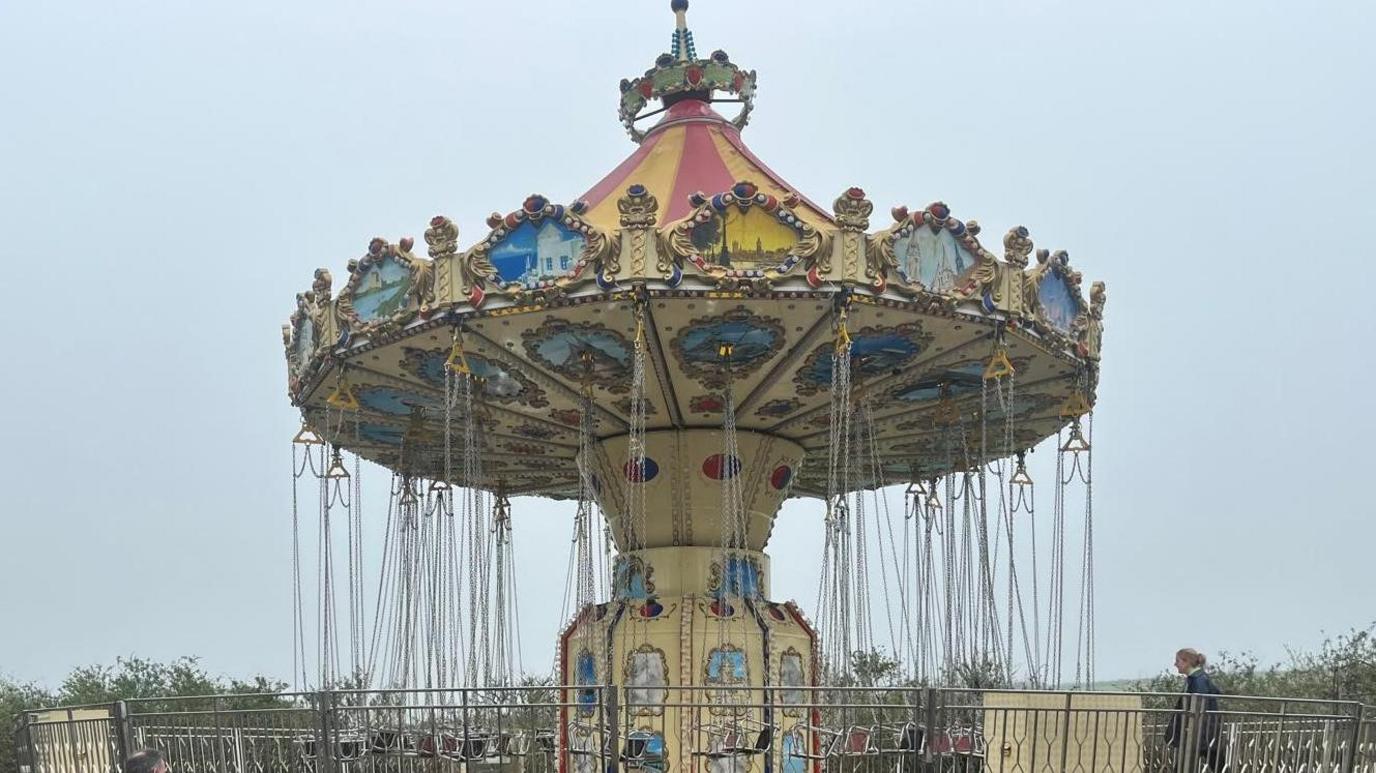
column 739, row 284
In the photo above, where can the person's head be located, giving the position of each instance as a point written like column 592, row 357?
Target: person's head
column 1188, row 659
column 147, row 761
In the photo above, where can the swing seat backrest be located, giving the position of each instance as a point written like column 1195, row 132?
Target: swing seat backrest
column 475, row 747
column 515, row 744
column 350, row 750
column 911, row 738
column 859, row 740
column 547, row 743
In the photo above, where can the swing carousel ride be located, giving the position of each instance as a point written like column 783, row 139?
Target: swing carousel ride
column 678, row 351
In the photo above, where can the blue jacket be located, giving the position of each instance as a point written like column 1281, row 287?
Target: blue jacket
column 1196, row 683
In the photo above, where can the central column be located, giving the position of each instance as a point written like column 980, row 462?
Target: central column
column 690, row 636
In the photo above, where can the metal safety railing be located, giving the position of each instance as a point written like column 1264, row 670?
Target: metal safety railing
column 724, row 729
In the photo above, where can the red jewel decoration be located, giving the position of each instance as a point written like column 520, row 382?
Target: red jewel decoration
column 781, row 476
column 737, row 81
column 694, row 75
column 717, row 467
column 855, row 193
column 647, row 89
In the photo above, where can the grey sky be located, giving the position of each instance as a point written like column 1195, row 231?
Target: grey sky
column 171, row 173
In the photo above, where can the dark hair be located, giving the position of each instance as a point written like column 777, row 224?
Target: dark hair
column 145, row 761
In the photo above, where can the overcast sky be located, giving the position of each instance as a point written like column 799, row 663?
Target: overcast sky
column 172, row 172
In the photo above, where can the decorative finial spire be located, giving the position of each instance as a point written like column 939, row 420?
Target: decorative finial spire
column 682, row 49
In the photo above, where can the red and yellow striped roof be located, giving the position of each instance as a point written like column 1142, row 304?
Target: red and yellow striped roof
column 692, row 149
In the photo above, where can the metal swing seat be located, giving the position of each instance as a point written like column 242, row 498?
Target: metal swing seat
column 344, row 749
column 734, row 746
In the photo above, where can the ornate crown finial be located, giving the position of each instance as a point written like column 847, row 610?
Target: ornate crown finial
column 680, row 74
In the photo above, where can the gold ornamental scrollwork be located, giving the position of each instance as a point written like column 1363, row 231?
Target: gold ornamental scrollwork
column 852, row 211
column 415, row 299
column 639, row 211
column 953, row 283
column 756, row 272
column 1017, row 247
column 598, row 259
column 1057, row 264
column 984, row 279
column 308, row 327
column 1092, row 338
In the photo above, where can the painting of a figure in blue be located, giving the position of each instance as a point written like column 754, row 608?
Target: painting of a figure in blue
column 934, row 259
column 630, row 579
column 530, row 253
column 585, row 672
column 381, row 292
column 749, row 341
column 1058, row 304
column 741, row 578
column 795, row 753
column 726, row 665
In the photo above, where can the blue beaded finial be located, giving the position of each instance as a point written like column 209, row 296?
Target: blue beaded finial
column 683, row 38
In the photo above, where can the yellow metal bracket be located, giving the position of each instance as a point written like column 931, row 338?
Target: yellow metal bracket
column 1074, row 406
column 343, row 396
column 457, row 362
column 307, row 436
column 999, row 366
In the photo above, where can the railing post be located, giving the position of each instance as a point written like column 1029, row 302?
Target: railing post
column 614, row 727
column 324, row 748
column 467, row 721
column 1065, row 732
column 220, row 739
column 929, row 718
column 601, row 743
column 1187, row 748
column 27, row 757
column 124, row 737
column 1349, row 763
